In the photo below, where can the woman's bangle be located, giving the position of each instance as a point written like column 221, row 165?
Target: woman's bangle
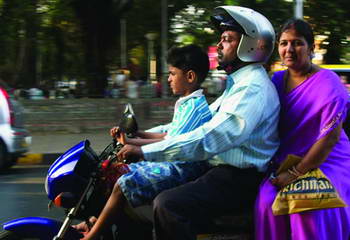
column 295, row 172
column 294, row 168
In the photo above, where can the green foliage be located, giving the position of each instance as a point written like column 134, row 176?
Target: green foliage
column 231, row 2
column 331, row 18
column 43, row 41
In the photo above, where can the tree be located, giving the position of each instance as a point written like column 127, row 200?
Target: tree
column 19, row 26
column 60, row 48
column 335, row 23
column 100, row 24
column 331, row 18
column 45, row 41
column 196, row 22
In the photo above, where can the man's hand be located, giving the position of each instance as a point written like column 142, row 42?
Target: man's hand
column 130, row 153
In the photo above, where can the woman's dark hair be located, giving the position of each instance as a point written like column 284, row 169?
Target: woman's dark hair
column 301, row 27
column 190, row 57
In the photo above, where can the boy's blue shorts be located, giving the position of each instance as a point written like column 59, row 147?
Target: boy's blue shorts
column 147, row 179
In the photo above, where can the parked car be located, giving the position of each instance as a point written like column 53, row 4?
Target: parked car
column 14, row 138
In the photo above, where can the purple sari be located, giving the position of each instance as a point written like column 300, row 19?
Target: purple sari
column 308, row 113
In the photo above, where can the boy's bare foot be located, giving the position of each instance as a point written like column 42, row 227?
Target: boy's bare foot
column 84, row 227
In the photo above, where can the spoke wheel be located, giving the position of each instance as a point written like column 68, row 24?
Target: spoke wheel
column 6, row 235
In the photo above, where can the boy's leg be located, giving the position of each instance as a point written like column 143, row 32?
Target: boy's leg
column 147, row 179
column 182, row 212
column 112, row 210
column 130, row 228
column 141, row 185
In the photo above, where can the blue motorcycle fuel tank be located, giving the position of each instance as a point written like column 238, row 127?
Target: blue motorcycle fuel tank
column 71, row 171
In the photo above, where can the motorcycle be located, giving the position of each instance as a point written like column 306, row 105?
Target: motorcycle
column 80, row 181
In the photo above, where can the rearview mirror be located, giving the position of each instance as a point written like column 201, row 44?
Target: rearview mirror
column 128, row 123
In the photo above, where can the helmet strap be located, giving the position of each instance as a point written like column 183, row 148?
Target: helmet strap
column 232, row 66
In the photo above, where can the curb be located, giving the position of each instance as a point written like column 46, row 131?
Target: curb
column 38, row 158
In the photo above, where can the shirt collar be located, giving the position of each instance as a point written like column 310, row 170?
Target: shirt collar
column 239, row 74
column 197, row 93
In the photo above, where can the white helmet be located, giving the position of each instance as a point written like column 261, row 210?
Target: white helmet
column 258, row 36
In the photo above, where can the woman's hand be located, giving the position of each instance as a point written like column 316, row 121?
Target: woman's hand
column 283, row 179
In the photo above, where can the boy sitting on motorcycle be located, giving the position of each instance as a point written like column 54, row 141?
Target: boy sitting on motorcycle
column 188, row 68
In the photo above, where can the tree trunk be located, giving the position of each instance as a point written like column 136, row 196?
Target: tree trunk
column 333, row 54
column 28, row 74
column 99, row 21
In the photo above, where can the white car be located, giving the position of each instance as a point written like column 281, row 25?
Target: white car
column 14, row 139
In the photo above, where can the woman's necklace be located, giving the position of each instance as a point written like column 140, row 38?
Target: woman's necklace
column 290, row 85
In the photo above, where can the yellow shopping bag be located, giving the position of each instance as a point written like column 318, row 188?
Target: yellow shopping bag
column 311, row 191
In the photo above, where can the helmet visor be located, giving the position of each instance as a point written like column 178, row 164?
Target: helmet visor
column 224, row 22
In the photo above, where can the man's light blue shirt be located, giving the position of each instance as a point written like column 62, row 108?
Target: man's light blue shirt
column 242, row 132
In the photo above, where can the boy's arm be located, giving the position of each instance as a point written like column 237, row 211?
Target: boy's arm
column 159, row 129
column 115, row 133
column 142, row 138
column 150, row 135
column 142, row 141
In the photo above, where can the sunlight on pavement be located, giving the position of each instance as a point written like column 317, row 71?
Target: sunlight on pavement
column 29, row 180
column 32, row 158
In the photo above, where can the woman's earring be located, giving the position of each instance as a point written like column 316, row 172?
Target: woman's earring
column 312, row 55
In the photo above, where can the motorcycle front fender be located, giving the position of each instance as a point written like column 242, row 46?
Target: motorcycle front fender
column 38, row 227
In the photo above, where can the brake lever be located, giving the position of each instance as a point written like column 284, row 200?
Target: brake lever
column 114, row 143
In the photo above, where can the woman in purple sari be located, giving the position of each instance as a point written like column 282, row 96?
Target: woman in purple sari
column 314, row 104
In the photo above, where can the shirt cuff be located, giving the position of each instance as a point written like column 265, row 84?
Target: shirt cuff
column 149, row 153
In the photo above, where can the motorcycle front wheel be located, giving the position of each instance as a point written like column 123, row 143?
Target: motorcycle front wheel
column 7, row 235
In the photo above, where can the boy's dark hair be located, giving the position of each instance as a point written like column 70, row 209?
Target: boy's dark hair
column 301, row 27
column 190, row 57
